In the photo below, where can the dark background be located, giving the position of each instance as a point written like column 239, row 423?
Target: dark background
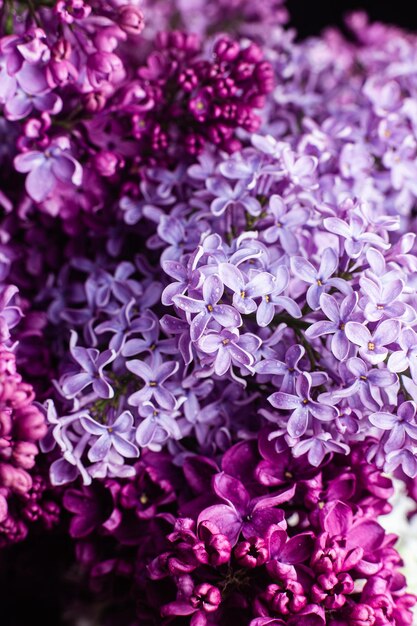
column 309, row 17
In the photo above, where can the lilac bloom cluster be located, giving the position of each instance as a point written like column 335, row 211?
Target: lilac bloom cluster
column 311, row 299
column 244, row 18
column 23, row 498
column 90, row 113
column 59, row 63
column 227, row 543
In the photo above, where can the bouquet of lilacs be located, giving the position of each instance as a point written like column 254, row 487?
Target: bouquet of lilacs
column 208, row 311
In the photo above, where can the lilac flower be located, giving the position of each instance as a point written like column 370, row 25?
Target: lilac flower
column 150, row 341
column 406, row 357
column 47, row 168
column 31, row 91
column 362, row 387
column 124, row 324
column 174, row 326
column 381, row 300
column 246, row 165
column 318, row 446
column 111, row 466
column 172, row 230
column 354, row 234
column 285, row 221
column 154, row 374
column 404, row 459
column 372, row 347
column 259, row 284
column 302, row 406
column 133, row 209
column 227, row 197
column 338, row 315
column 198, row 601
column 288, row 369
column 92, row 364
column 88, row 509
column 401, row 427
column 208, row 308
column 30, row 47
column 320, row 279
column 187, row 277
column 116, row 435
column 251, row 516
column 156, row 427
column 299, row 169
column 270, row 302
column 10, row 314
column 101, row 285
column 286, row 552
column 225, row 346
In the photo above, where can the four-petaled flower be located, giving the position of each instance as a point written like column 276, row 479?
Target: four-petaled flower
column 285, row 221
column 116, row 435
column 320, row 279
column 228, row 349
column 339, row 315
column 372, row 347
column 92, row 364
column 154, row 374
column 402, row 426
column 406, row 357
column 381, row 300
column 251, row 516
column 208, row 308
column 302, row 406
column 245, row 291
column 354, row 234
column 47, row 168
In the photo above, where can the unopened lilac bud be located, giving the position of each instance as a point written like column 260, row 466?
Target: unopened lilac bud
column 61, row 50
column 264, row 76
column 106, row 163
column 226, row 49
column 50, row 514
column 7, row 363
column 30, row 424
column 243, row 71
column 131, row 20
column 188, row 79
column 206, row 597
column 362, row 615
column 251, row 553
column 95, row 101
column 35, row 127
column 194, row 144
column 3, row 508
column 32, row 511
column 214, row 548
column 14, row 478
column 22, row 396
column 71, row 10
column 252, row 53
column 24, row 454
column 331, row 589
column 5, row 422
column 104, row 66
